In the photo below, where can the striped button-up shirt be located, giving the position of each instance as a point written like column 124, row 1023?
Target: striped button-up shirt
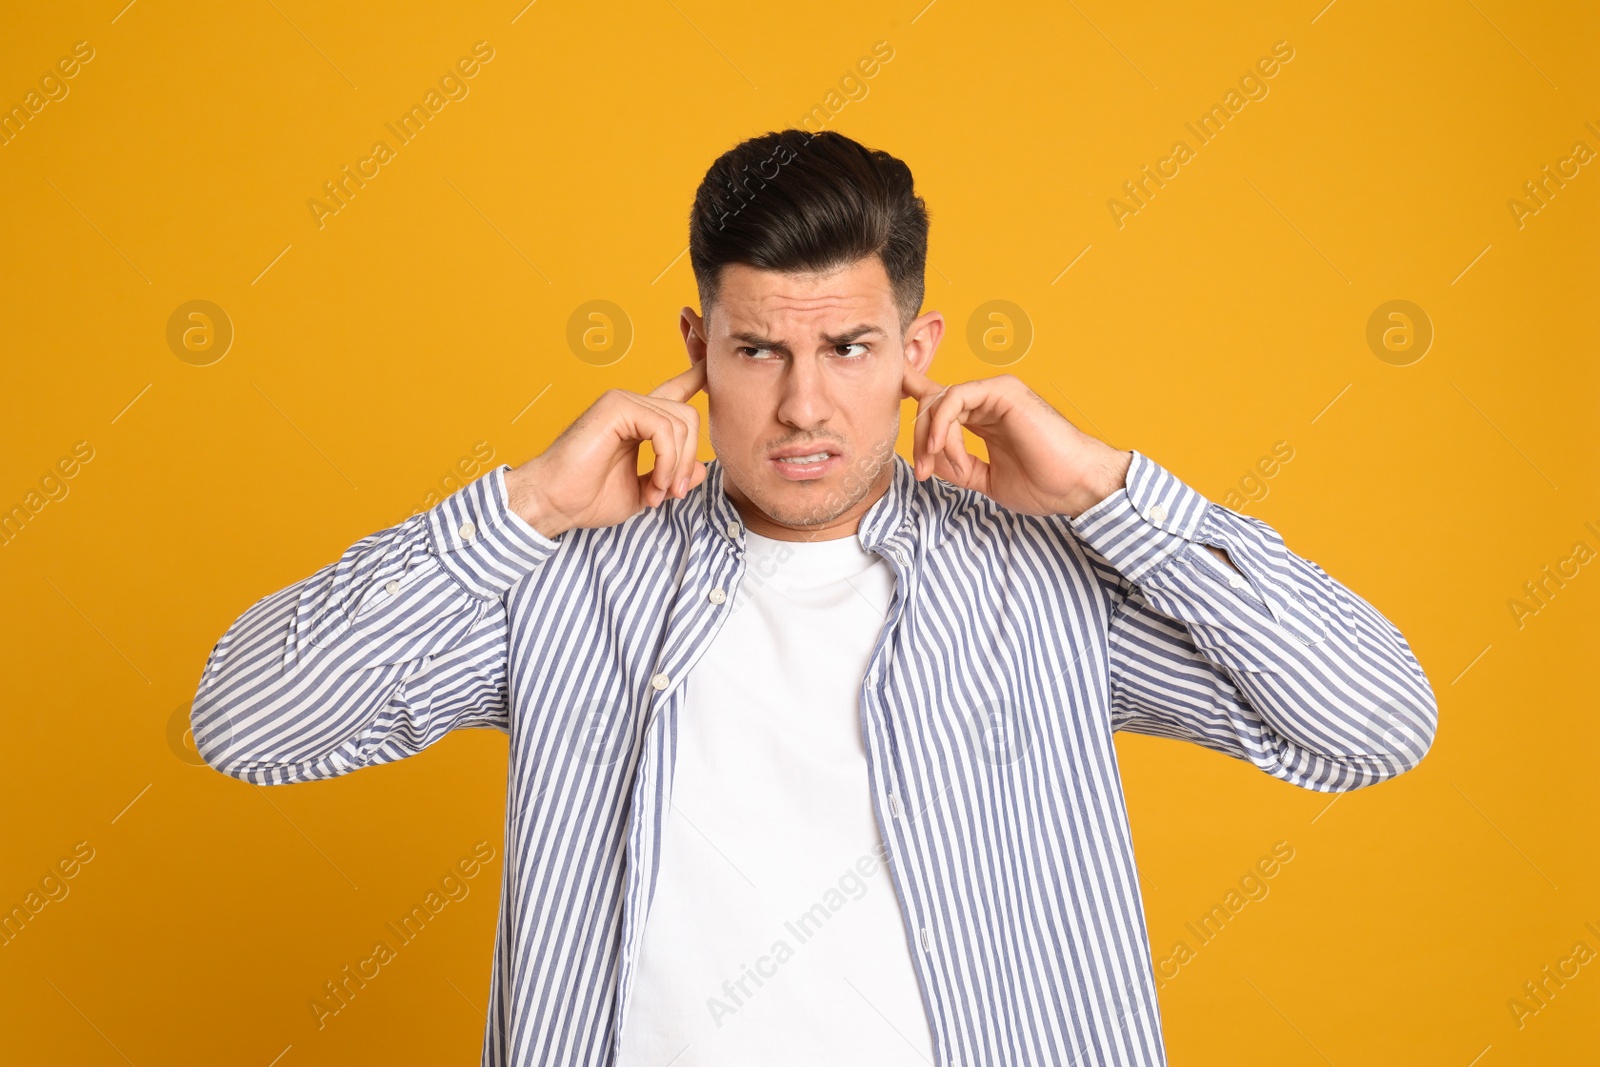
column 1014, row 647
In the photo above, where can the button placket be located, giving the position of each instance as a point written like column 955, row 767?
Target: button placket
column 716, row 595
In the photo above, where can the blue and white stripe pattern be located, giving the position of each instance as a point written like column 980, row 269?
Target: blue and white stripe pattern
column 1014, row 648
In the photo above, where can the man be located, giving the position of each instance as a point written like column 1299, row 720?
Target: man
column 811, row 749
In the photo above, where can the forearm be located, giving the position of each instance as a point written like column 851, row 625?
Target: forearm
column 1107, row 472
column 1329, row 688
column 374, row 656
column 1349, row 707
column 272, row 709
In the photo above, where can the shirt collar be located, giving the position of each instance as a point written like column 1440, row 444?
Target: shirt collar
column 887, row 524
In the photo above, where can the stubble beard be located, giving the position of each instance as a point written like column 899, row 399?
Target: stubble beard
column 845, row 491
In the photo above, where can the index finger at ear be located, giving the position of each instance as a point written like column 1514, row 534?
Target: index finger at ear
column 945, row 421
column 681, row 387
column 917, row 385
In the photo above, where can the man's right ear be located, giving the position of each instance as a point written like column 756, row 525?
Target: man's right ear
column 694, row 334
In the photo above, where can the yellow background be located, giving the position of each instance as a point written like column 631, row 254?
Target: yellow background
column 374, row 353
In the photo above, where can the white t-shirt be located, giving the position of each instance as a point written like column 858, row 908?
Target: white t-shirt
column 775, row 936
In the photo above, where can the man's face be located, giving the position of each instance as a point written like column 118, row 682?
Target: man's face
column 801, row 364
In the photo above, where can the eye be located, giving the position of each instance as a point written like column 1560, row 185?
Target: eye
column 853, row 344
column 747, row 350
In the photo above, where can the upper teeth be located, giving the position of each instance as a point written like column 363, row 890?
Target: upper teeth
column 813, row 458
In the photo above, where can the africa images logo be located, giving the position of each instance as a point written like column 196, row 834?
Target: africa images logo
column 999, row 733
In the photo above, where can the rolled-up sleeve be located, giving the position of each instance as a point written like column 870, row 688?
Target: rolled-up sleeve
column 376, row 655
column 1277, row 663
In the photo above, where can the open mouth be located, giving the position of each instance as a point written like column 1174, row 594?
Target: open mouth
column 807, row 466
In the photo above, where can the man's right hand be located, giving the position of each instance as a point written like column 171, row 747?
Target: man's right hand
column 589, row 476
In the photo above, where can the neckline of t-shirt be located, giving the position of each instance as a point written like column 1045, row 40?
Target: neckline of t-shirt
column 843, row 546
column 809, row 562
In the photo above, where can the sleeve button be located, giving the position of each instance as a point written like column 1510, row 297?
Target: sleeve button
column 392, row 587
column 1158, row 513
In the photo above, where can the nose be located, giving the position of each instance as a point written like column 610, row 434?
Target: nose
column 803, row 400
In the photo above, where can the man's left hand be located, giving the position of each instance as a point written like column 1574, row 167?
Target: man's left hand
column 1039, row 463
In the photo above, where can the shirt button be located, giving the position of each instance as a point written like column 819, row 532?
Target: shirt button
column 467, row 531
column 661, row 681
column 1158, row 513
column 1236, row 581
column 392, row 587
column 733, row 529
column 716, row 596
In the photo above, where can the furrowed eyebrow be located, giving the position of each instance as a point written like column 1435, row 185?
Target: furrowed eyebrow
column 757, row 341
column 849, row 336
column 853, row 334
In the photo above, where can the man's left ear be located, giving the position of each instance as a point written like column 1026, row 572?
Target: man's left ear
column 922, row 339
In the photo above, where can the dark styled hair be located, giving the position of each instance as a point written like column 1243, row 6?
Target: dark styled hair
column 793, row 200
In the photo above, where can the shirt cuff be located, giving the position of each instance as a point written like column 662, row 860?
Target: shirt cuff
column 481, row 542
column 1141, row 525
